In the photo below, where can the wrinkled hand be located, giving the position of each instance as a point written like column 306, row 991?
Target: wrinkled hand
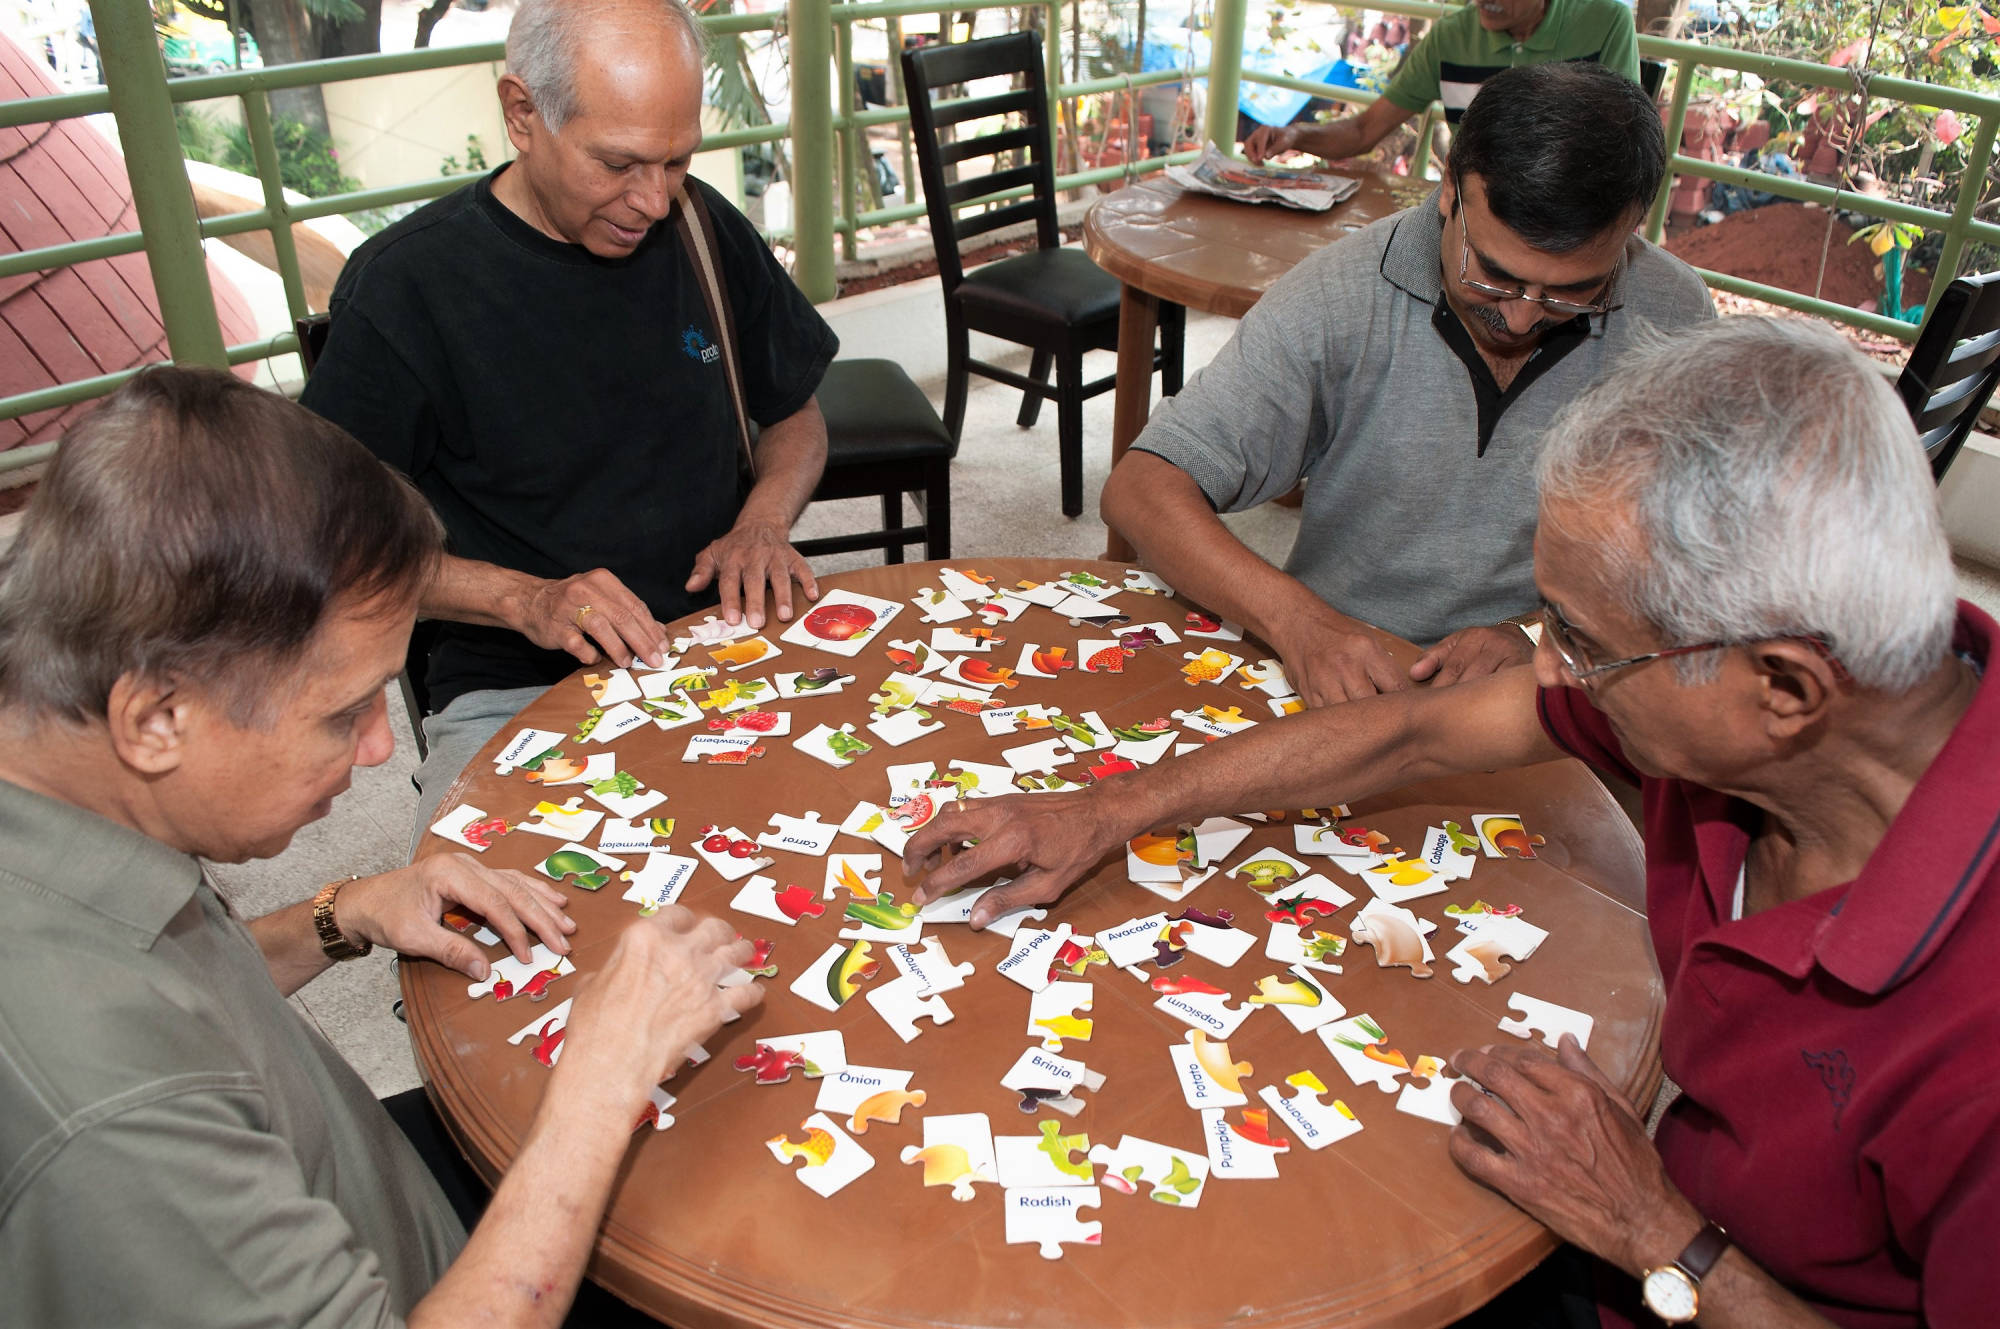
column 1473, row 653
column 746, row 560
column 401, row 910
column 1329, row 663
column 1052, row 838
column 655, row 997
column 616, row 627
column 1269, row 141
column 1556, row 1137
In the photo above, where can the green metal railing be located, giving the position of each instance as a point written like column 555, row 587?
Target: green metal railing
column 1957, row 226
column 832, row 167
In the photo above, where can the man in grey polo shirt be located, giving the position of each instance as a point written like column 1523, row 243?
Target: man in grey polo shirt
column 197, row 620
column 1407, row 372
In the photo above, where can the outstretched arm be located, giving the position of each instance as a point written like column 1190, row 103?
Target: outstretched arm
column 1306, row 760
column 1331, row 140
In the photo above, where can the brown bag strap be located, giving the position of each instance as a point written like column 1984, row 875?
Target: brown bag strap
column 697, row 232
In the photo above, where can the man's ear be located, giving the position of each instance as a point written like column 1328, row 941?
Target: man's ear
column 1798, row 686
column 1447, row 196
column 150, row 721
column 517, row 108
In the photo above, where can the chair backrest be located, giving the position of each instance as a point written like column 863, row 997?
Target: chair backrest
column 931, row 68
column 312, row 330
column 1652, row 74
column 1954, row 367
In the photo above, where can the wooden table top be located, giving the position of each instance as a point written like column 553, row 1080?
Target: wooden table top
column 1380, row 1228
column 1221, row 256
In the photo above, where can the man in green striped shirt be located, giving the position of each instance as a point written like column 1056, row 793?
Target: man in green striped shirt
column 1461, row 51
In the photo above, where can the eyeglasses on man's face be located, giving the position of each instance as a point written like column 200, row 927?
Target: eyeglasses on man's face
column 1576, row 661
column 1560, row 308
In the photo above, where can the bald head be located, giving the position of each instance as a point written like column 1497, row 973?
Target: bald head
column 555, row 46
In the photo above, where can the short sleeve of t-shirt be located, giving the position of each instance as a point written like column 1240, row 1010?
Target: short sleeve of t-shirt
column 1252, row 421
column 1415, row 85
column 1580, row 729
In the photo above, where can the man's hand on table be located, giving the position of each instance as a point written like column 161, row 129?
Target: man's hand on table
column 742, row 563
column 1053, row 839
column 1473, row 653
column 594, row 617
column 1556, row 1137
column 401, row 910
column 654, row 998
column 1328, row 662
column 1270, row 141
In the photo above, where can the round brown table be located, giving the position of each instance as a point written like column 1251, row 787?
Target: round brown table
column 1165, row 243
column 1381, row 1228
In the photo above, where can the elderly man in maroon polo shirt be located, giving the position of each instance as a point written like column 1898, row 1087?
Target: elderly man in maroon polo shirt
column 1749, row 610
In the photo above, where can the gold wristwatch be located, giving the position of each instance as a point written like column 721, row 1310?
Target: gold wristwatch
column 1673, row 1291
column 331, row 939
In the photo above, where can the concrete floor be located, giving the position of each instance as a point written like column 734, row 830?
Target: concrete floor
column 1004, row 497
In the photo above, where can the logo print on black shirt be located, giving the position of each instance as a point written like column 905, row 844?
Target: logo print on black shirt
column 1837, row 1074
column 699, row 347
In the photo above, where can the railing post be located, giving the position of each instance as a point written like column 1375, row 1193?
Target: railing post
column 1677, row 115
column 137, row 79
column 1969, row 190
column 1420, row 159
column 1225, row 72
column 851, row 137
column 810, row 28
column 264, row 147
column 1052, row 75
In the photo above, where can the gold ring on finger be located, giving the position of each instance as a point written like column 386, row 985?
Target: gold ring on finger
column 582, row 610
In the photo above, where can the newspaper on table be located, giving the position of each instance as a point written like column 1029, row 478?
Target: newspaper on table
column 1225, row 177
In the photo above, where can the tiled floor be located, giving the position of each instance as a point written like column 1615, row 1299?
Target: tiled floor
column 1004, row 499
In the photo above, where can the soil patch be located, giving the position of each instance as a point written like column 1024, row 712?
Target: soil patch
column 1782, row 245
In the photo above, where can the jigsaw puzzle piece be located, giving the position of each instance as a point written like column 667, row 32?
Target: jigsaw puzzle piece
column 507, row 977
column 1052, row 1014
column 957, row 1152
column 1048, row 1158
column 831, row 1158
column 1363, row 1051
column 1028, row 959
column 1176, row 1176
column 1317, row 1124
column 1430, row 1099
column 1548, row 1019
column 1046, row 1217
column 1243, row 1150
column 903, row 1001
column 1397, row 935
column 1489, row 943
column 1208, row 1077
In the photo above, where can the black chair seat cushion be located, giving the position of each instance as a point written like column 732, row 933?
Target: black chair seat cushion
column 875, row 414
column 1059, row 286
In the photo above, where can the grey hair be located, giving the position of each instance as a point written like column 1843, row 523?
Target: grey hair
column 1777, row 489
column 542, row 48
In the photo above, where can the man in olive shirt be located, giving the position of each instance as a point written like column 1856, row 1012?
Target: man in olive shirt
column 1460, row 52
column 197, row 621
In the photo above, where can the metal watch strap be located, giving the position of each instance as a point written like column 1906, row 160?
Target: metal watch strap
column 332, row 940
column 1702, row 1253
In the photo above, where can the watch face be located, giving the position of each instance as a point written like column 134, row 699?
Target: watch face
column 1670, row 1295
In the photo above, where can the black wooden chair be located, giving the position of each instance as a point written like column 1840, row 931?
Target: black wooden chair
column 312, row 331
column 1954, row 367
column 883, row 438
column 1052, row 299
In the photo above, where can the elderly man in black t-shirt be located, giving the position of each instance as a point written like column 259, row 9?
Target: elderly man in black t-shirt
column 535, row 353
